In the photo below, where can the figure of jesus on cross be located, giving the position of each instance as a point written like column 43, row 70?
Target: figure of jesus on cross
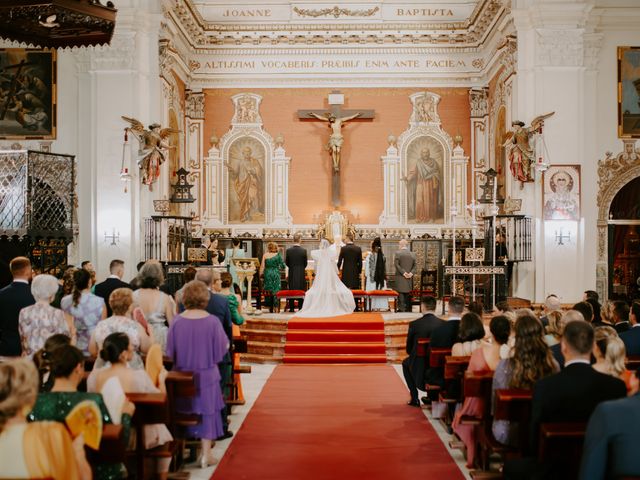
column 336, row 118
column 336, row 139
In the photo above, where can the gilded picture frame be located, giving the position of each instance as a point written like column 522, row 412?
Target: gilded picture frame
column 28, row 94
column 629, row 92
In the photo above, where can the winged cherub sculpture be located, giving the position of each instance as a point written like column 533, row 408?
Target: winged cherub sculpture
column 151, row 153
column 521, row 154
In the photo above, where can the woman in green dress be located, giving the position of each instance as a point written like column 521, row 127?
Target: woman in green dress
column 271, row 266
column 67, row 369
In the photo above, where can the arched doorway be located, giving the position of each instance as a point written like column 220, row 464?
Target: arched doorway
column 624, row 242
column 619, row 223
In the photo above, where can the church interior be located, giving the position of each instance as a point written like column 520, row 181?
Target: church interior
column 466, row 170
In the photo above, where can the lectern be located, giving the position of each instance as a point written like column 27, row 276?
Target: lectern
column 246, row 268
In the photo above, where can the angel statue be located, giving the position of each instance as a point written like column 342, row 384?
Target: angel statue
column 150, row 152
column 521, row 155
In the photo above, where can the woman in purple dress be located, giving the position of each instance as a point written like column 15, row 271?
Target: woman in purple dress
column 197, row 343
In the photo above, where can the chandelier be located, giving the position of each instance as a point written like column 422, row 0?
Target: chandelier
column 57, row 23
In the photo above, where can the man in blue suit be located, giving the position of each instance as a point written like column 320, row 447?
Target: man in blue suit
column 631, row 337
column 14, row 298
column 219, row 307
column 612, row 438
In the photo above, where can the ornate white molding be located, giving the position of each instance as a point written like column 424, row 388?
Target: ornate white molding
column 247, row 125
column 119, row 55
column 194, row 103
column 614, row 172
column 479, row 102
column 567, row 48
column 470, row 31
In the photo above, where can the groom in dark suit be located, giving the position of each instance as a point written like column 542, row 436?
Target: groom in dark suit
column 112, row 282
column 350, row 262
column 296, row 261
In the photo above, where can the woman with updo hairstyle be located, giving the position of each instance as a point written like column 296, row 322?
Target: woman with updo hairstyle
column 42, row 359
column 121, row 303
column 271, row 266
column 86, row 308
column 483, row 359
column 67, row 369
column 470, row 334
column 39, row 449
column 158, row 307
column 116, row 353
column 610, row 354
column 531, row 361
column 197, row 343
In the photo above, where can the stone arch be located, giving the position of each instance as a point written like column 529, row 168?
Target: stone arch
column 614, row 172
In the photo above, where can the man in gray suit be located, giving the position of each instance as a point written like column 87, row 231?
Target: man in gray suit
column 405, row 263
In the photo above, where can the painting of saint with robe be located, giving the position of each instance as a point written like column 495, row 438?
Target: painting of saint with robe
column 425, row 190
column 245, row 168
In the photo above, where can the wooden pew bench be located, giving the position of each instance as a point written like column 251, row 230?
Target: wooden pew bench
column 180, row 385
column 112, row 446
column 452, row 394
column 150, row 408
column 560, row 444
column 437, row 358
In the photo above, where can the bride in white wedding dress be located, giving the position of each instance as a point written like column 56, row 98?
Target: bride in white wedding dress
column 328, row 296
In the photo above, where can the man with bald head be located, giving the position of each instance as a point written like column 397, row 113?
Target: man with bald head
column 405, row 264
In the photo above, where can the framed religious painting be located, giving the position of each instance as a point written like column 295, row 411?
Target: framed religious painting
column 629, row 92
column 561, row 195
column 27, row 94
column 424, row 180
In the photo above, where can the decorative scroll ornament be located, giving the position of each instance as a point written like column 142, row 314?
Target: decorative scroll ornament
column 336, row 11
column 479, row 102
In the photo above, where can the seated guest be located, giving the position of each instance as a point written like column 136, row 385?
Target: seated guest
column 569, row 396
column 117, row 351
column 121, row 301
column 554, row 319
column 611, row 440
column 569, row 316
column 606, row 313
column 585, row 309
column 631, row 338
column 86, row 308
column 197, row 343
column 609, row 352
column 620, row 312
column 476, row 307
column 482, row 359
column 445, row 336
column 504, row 307
column 188, row 275
column 65, row 284
column 596, row 308
column 113, row 281
column 551, row 304
column 470, row 335
column 42, row 359
column 14, row 298
column 67, row 369
column 39, row 449
column 590, row 294
column 414, row 366
column 134, row 284
column 157, row 306
column 38, row 322
column 531, row 361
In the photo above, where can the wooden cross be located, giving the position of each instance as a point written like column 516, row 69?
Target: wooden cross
column 336, row 117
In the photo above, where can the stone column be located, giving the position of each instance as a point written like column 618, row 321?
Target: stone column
column 459, row 164
column 213, row 165
column 115, row 80
column 557, row 56
column 391, row 171
column 280, row 181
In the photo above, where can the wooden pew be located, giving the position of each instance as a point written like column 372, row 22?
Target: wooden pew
column 180, row 385
column 454, row 370
column 422, row 348
column 632, row 362
column 112, row 446
column 561, row 445
column 437, row 358
column 478, row 384
column 150, row 408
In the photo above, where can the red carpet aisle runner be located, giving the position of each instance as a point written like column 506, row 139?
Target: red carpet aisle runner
column 354, row 338
column 330, row 422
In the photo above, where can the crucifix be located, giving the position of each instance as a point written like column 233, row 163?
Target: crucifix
column 336, row 117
